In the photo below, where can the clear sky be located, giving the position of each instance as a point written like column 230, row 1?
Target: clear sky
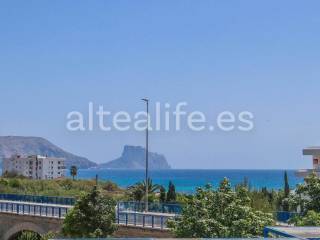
column 260, row 56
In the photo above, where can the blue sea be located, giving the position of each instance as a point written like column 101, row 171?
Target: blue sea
column 188, row 180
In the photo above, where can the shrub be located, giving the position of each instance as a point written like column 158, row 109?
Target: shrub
column 92, row 216
column 221, row 213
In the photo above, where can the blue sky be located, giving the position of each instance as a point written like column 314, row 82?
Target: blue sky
column 260, row 56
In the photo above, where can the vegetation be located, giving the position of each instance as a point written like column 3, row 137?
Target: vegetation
column 73, row 171
column 163, row 195
column 307, row 195
column 286, row 192
column 220, row 213
column 137, row 191
column 92, row 216
column 57, row 187
column 171, row 195
column 27, row 235
column 286, row 185
column 306, row 199
column 311, row 218
column 265, row 200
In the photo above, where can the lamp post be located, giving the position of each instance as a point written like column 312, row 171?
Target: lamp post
column 147, row 155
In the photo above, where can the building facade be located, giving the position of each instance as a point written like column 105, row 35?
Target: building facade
column 35, row 166
column 315, row 153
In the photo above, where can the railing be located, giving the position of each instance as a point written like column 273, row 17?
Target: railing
column 132, row 214
column 127, row 213
column 153, row 207
column 144, row 220
column 34, row 209
column 38, row 199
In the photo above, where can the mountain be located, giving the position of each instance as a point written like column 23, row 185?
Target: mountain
column 133, row 157
column 24, row 146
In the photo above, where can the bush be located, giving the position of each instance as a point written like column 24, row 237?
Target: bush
column 312, row 218
column 14, row 183
column 110, row 186
column 221, row 213
column 92, row 216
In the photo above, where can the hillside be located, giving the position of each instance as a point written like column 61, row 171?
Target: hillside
column 133, row 157
column 10, row 145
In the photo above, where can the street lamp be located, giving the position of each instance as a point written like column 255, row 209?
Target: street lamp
column 147, row 155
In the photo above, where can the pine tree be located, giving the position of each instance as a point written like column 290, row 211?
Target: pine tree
column 171, row 195
column 286, row 185
column 286, row 192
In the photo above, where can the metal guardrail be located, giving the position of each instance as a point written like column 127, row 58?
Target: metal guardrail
column 144, row 220
column 127, row 213
column 34, row 209
column 38, row 199
column 153, row 207
column 132, row 214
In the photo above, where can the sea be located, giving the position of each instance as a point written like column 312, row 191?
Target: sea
column 187, row 180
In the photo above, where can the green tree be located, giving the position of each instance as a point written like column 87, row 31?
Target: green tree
column 171, row 195
column 73, row 171
column 311, row 218
column 286, row 190
column 222, row 213
column 162, row 196
column 137, row 193
column 92, row 216
column 138, row 190
column 307, row 195
column 286, row 185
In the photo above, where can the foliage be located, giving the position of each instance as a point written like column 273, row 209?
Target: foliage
column 162, row 197
column 28, row 235
column 245, row 183
column 311, row 218
column 12, row 175
column 307, row 199
column 137, row 191
column 55, row 187
column 92, row 216
column 286, row 185
column 265, row 200
column 307, row 195
column 110, row 186
column 171, row 194
column 220, row 213
column 73, row 171
column 286, row 190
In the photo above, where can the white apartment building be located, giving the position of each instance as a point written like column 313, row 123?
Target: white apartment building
column 35, row 166
column 315, row 153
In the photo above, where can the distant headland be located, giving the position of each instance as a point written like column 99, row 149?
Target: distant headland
column 133, row 157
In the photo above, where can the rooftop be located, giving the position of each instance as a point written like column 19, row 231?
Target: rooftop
column 311, row 151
